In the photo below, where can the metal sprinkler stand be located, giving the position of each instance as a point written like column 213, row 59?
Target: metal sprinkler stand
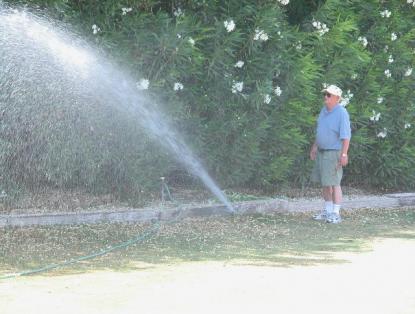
column 165, row 190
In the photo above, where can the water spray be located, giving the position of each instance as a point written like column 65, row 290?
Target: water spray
column 34, row 50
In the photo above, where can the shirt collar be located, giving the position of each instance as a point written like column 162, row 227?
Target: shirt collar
column 337, row 106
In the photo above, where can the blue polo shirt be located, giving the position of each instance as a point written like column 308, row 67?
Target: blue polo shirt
column 333, row 127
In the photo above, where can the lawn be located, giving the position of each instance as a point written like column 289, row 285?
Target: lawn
column 279, row 240
column 370, row 256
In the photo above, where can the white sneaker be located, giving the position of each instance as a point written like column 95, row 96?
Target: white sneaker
column 321, row 216
column 334, row 218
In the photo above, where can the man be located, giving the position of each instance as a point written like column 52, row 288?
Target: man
column 330, row 152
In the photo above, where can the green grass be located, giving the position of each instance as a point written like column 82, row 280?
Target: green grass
column 275, row 240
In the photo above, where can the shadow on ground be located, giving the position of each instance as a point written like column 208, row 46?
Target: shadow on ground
column 280, row 240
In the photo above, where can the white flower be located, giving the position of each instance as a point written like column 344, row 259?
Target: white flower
column 380, row 100
column 385, row 13
column 191, row 41
column 408, row 71
column 229, row 25
column 383, row 133
column 375, row 117
column 126, row 10
column 321, row 27
column 284, row 2
column 260, row 35
column 363, row 40
column 179, row 36
column 267, row 99
column 346, row 98
column 95, row 29
column 407, row 125
column 178, row 86
column 278, row 91
column 264, row 37
column 324, row 29
column 257, row 34
column 299, row 46
column 411, row 2
column 178, row 12
column 394, row 37
column 239, row 64
column 354, row 76
column 143, row 84
column 390, row 60
column 237, row 87
column 386, row 48
column 388, row 73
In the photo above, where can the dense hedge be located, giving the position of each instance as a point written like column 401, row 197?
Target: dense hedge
column 251, row 73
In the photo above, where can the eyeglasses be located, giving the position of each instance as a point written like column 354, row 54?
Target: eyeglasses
column 328, row 95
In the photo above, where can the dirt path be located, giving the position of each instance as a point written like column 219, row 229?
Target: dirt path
column 380, row 281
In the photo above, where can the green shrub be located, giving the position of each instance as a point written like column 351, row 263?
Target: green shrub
column 255, row 134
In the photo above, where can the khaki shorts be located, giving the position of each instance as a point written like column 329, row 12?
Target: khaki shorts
column 326, row 170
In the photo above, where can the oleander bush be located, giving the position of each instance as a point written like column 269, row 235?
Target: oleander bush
column 241, row 80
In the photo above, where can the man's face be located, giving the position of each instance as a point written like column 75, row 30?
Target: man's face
column 330, row 100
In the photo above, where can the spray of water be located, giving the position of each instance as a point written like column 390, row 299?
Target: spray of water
column 37, row 54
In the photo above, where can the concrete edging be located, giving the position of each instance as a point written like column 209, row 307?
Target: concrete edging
column 147, row 215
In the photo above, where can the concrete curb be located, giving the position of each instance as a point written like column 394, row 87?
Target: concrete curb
column 249, row 207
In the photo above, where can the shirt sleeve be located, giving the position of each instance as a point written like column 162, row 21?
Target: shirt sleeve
column 345, row 130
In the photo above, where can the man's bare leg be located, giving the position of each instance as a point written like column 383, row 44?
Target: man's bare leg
column 337, row 198
column 337, row 195
column 328, row 193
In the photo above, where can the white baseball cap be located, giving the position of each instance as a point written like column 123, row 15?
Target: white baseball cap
column 334, row 90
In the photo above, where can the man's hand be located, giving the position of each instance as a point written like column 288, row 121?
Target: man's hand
column 344, row 160
column 313, row 152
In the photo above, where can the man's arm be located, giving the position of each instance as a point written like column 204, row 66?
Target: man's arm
column 344, row 159
column 313, row 151
column 345, row 135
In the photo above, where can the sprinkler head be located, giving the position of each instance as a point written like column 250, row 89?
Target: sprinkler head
column 231, row 209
